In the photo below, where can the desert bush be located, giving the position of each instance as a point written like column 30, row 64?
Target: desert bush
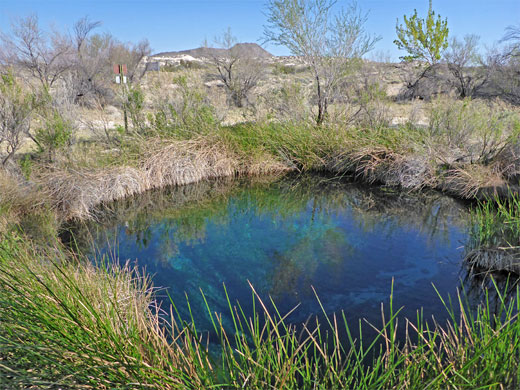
column 288, row 102
column 186, row 64
column 169, row 68
column 475, row 131
column 55, row 133
column 16, row 110
column 183, row 65
column 288, row 69
column 238, row 72
column 374, row 111
column 185, row 111
column 134, row 105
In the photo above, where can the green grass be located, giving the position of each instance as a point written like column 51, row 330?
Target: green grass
column 496, row 223
column 66, row 323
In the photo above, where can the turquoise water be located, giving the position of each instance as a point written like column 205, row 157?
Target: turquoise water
column 286, row 236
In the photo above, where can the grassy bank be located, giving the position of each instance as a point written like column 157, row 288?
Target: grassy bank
column 66, row 323
column 469, row 149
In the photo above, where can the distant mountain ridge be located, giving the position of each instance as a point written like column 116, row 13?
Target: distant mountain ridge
column 248, row 50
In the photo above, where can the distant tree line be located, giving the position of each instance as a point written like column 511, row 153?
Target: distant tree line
column 72, row 69
column 80, row 61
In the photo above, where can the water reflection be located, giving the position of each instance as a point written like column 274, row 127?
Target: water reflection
column 287, row 234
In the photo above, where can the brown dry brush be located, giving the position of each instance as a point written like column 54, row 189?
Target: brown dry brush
column 488, row 260
column 75, row 193
column 17, row 199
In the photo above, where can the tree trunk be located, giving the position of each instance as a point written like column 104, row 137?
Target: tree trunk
column 322, row 104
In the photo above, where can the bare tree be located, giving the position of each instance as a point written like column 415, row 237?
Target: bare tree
column 82, row 28
column 464, row 63
column 506, row 70
column 46, row 56
column 95, row 56
column 86, row 80
column 236, row 68
column 326, row 42
column 513, row 37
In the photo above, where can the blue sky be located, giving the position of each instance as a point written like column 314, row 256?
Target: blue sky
column 184, row 24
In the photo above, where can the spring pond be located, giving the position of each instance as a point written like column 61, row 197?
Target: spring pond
column 286, row 236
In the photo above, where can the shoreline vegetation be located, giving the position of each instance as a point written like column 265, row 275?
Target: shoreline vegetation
column 410, row 157
column 72, row 141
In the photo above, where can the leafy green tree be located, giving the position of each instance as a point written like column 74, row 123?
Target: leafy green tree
column 423, row 39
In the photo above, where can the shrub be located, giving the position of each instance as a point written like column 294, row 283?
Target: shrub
column 16, row 110
column 479, row 131
column 187, row 113
column 54, row 134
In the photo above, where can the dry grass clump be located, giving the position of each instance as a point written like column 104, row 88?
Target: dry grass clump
column 17, row 199
column 508, row 161
column 75, row 193
column 380, row 165
column 494, row 259
column 472, row 181
column 190, row 161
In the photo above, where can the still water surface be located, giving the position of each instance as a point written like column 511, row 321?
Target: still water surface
column 287, row 235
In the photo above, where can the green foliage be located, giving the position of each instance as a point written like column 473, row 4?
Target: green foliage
column 54, row 134
column 189, row 115
column 26, row 165
column 64, row 323
column 423, row 39
column 135, row 105
column 496, row 223
column 16, row 108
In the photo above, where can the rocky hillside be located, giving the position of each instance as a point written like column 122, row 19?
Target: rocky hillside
column 247, row 50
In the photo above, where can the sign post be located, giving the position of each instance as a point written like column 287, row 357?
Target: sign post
column 120, row 70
